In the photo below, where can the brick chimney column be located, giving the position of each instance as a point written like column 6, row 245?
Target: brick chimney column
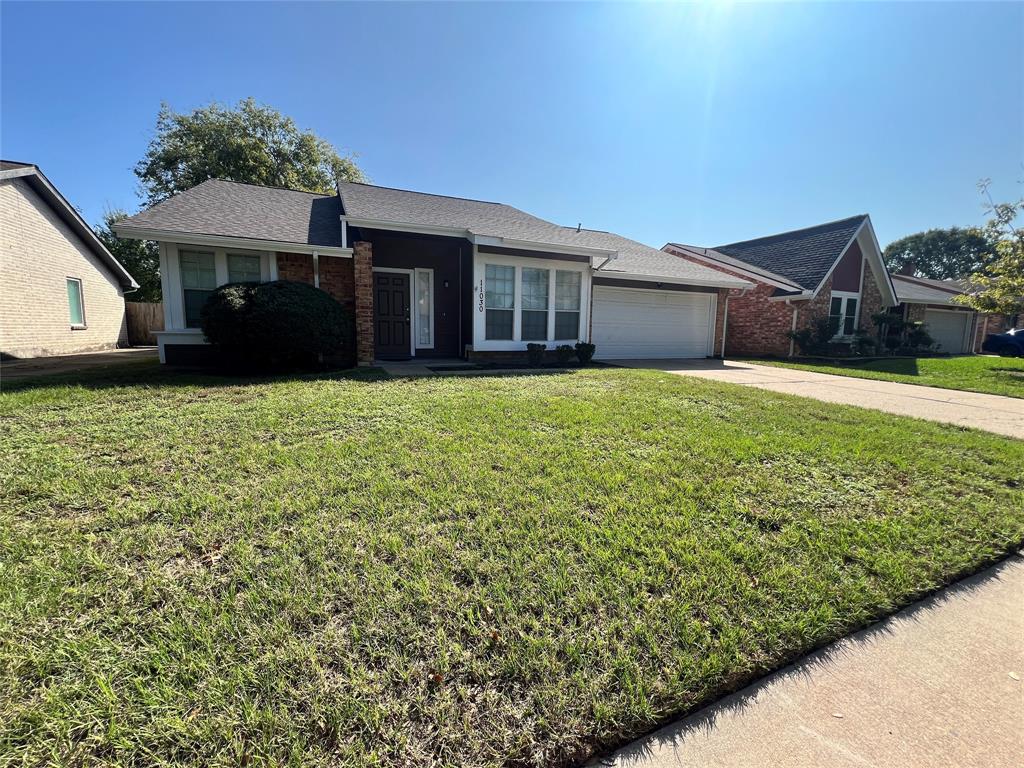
column 362, row 257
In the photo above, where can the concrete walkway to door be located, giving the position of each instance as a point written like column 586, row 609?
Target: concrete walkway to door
column 993, row 413
column 938, row 684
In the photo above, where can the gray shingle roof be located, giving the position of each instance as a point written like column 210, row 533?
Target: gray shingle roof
column 365, row 201
column 233, row 209
column 638, row 259
column 803, row 256
column 925, row 290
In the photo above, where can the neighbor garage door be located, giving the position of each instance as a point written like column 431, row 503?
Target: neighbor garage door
column 640, row 323
column 950, row 330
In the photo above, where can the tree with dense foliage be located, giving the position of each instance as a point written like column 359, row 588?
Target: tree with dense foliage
column 940, row 253
column 999, row 286
column 251, row 142
column 140, row 257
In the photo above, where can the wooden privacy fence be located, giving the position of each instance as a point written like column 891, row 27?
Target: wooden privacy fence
column 144, row 320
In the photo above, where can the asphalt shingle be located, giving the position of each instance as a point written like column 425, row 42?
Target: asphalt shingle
column 803, row 256
column 232, row 209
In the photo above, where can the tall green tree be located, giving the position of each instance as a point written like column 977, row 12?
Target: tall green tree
column 140, row 257
column 941, row 253
column 999, row 285
column 250, row 142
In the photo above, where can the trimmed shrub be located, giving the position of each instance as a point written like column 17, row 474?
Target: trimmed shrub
column 535, row 353
column 585, row 352
column 564, row 353
column 278, row 325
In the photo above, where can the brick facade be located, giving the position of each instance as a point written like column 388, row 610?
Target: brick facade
column 337, row 277
column 760, row 326
column 363, row 280
column 756, row 326
column 295, row 267
column 38, row 253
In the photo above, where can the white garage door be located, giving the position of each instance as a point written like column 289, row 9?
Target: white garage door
column 950, row 330
column 638, row 323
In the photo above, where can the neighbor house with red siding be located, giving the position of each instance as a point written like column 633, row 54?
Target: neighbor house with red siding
column 799, row 278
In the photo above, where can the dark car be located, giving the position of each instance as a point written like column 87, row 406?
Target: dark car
column 1007, row 344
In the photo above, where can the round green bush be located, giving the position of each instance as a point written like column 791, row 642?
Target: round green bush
column 278, row 325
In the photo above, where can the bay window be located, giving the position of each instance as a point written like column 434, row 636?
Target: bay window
column 535, row 304
column 198, row 279
column 842, row 316
column 499, row 301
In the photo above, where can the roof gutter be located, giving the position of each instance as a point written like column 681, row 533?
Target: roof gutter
column 194, row 238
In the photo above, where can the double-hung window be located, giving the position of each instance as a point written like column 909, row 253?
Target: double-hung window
column 842, row 314
column 76, row 303
column 499, row 301
column 531, row 303
column 198, row 279
column 243, row 269
column 536, row 284
column 567, row 304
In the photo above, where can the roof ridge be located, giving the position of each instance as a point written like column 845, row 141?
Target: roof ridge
column 427, row 194
column 792, row 231
column 265, row 186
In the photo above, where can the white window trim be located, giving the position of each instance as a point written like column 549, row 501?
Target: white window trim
column 84, row 325
column 516, row 344
column 416, row 314
column 412, row 308
column 170, row 276
column 845, row 296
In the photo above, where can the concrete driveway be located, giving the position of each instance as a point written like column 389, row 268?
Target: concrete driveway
column 32, row 367
column 938, row 684
column 994, row 413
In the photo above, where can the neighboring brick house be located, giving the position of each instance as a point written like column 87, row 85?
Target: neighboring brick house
column 61, row 290
column 832, row 271
column 432, row 276
column 955, row 328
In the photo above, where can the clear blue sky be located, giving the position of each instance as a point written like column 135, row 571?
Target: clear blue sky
column 704, row 124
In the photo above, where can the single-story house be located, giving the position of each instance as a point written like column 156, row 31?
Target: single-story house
column 61, row 290
column 431, row 276
column 832, row 270
column 956, row 329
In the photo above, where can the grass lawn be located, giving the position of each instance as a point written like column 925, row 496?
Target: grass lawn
column 481, row 571
column 994, row 375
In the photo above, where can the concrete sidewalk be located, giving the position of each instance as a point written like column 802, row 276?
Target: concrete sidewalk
column 938, row 684
column 993, row 413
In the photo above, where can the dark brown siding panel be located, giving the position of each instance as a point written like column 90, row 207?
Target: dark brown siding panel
column 441, row 254
column 501, row 251
column 846, row 276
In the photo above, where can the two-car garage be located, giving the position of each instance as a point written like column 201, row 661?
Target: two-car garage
column 640, row 322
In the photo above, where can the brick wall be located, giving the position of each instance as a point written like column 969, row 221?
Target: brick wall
column 871, row 302
column 295, row 267
column 362, row 264
column 337, row 277
column 38, row 252
column 756, row 326
column 995, row 324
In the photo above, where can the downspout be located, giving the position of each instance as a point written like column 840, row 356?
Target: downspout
column 725, row 324
column 604, row 263
column 725, row 319
column 316, row 269
column 792, row 341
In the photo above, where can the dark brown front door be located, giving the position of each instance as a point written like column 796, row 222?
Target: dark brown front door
column 391, row 315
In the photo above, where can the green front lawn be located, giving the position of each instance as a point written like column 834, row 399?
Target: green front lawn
column 994, row 375
column 451, row 571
